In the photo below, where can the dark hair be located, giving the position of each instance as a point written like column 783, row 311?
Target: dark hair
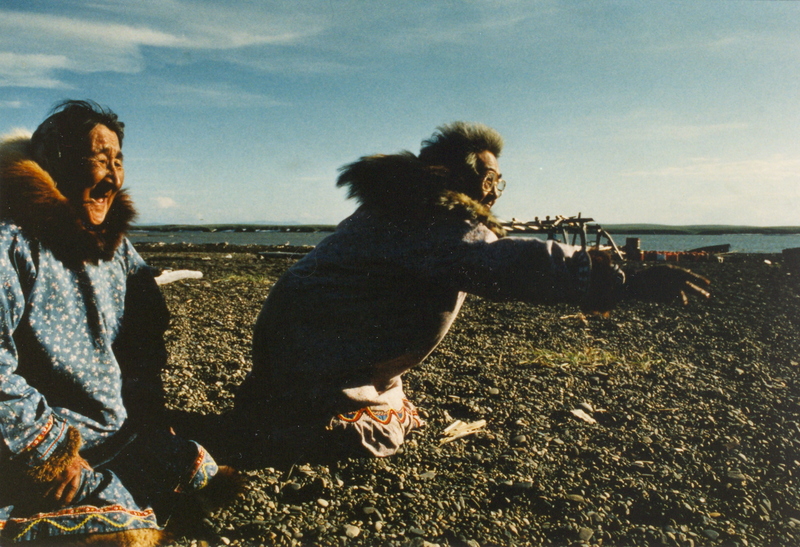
column 61, row 141
column 457, row 145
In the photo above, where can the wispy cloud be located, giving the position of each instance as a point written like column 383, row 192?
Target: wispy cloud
column 777, row 168
column 218, row 95
column 675, row 131
column 86, row 43
column 650, row 125
column 31, row 70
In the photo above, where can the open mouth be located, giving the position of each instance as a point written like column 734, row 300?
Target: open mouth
column 102, row 191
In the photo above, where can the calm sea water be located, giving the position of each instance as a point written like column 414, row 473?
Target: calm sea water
column 743, row 243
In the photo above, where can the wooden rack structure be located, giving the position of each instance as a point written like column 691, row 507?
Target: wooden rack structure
column 567, row 230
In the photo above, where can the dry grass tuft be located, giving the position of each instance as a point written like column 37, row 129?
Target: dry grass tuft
column 593, row 357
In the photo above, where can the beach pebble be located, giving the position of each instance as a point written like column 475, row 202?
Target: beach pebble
column 371, row 511
column 351, row 531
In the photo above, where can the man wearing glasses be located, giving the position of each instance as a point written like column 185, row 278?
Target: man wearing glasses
column 374, row 299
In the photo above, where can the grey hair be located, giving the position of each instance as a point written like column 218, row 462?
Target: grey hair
column 457, row 145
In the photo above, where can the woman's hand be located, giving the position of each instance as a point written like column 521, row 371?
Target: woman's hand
column 63, row 488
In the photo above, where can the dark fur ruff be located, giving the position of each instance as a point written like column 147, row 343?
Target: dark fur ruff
column 30, row 199
column 401, row 185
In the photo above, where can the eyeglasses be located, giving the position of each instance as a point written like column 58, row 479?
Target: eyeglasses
column 493, row 181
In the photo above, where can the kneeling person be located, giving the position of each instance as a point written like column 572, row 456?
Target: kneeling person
column 374, row 299
column 85, row 452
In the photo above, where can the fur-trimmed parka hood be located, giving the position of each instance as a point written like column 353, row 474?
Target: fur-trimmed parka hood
column 402, row 185
column 30, row 199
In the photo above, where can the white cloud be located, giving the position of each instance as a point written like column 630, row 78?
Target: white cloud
column 163, row 202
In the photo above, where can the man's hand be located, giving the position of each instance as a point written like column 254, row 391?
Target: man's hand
column 63, row 488
column 666, row 283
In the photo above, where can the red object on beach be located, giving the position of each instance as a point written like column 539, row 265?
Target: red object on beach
column 676, row 256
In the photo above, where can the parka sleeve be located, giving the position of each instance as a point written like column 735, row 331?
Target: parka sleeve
column 470, row 258
column 30, row 432
column 139, row 347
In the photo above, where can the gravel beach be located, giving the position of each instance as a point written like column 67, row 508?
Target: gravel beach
column 660, row 425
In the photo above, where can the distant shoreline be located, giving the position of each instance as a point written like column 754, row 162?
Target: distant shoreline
column 631, row 229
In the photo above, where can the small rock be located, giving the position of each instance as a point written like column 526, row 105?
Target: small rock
column 580, row 413
column 519, row 439
column 494, row 391
column 323, row 502
column 585, row 534
column 351, row 531
column 711, row 534
column 596, row 517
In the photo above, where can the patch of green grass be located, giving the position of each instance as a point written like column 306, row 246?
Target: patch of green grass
column 593, row 357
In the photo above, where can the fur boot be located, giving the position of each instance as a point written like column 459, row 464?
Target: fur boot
column 187, row 520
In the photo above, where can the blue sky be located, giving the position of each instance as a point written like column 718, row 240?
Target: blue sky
column 625, row 111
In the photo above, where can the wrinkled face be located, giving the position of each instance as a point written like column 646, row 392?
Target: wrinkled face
column 492, row 183
column 103, row 175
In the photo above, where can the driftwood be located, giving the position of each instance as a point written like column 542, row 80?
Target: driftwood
column 459, row 429
column 281, row 254
column 176, row 275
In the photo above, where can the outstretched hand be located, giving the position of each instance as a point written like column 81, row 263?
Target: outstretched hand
column 667, row 283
